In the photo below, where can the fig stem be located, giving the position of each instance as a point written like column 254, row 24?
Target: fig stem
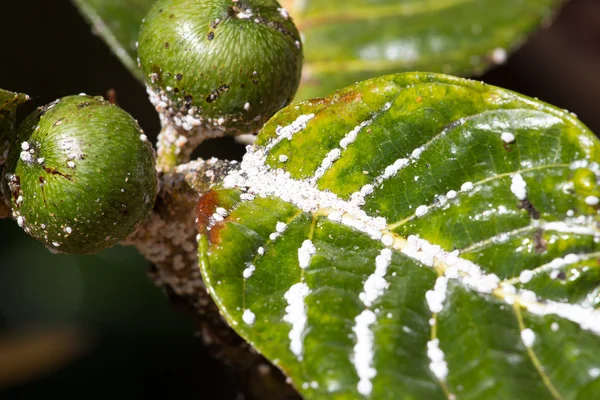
column 175, row 145
column 167, row 238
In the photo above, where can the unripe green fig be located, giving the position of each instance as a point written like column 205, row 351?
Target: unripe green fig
column 219, row 65
column 81, row 175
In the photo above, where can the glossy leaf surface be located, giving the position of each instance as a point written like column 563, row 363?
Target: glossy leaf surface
column 117, row 22
column 415, row 236
column 348, row 41
column 351, row 40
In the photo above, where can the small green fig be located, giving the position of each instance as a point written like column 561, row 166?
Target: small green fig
column 81, row 175
column 219, row 65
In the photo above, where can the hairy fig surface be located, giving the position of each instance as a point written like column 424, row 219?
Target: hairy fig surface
column 219, row 65
column 81, row 175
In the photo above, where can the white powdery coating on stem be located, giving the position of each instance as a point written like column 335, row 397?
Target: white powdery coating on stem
column 437, row 364
column 519, row 187
column 436, row 297
column 528, row 337
column 305, row 253
column 289, row 131
column 363, row 351
column 376, row 284
column 295, row 314
column 248, row 317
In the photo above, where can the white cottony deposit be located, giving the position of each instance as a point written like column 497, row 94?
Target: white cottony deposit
column 519, row 187
column 507, row 137
column 288, row 132
column 528, row 337
column 250, row 268
column 421, row 210
column 255, row 178
column 437, row 363
column 248, row 317
column 592, row 200
column 295, row 314
column 526, row 276
column 363, row 351
column 465, row 187
column 457, row 268
column 280, row 227
column 436, row 297
column 305, row 253
column 376, row 284
column 327, row 162
column 258, row 179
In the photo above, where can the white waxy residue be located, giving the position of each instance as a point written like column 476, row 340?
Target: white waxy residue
column 280, row 227
column 518, row 187
column 305, row 253
column 327, row 162
column 526, row 276
column 363, row 351
column 421, row 211
column 499, row 55
column 249, row 270
column 248, row 317
column 295, row 314
column 289, row 131
column 436, row 297
column 376, row 284
column 437, row 363
column 507, row 137
column 528, row 337
column 245, row 14
column 592, row 200
column 255, row 178
column 467, row 186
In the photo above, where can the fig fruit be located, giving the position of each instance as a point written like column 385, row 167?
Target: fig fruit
column 219, row 65
column 81, row 175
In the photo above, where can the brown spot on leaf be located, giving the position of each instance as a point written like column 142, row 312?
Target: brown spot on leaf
column 526, row 205
column 207, row 206
column 507, row 146
column 539, row 243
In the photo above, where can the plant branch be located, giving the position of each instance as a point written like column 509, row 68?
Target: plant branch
column 167, row 238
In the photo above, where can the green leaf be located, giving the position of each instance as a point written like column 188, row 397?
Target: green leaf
column 415, row 236
column 8, row 113
column 117, row 22
column 351, row 40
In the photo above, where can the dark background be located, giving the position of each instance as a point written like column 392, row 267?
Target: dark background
column 97, row 324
